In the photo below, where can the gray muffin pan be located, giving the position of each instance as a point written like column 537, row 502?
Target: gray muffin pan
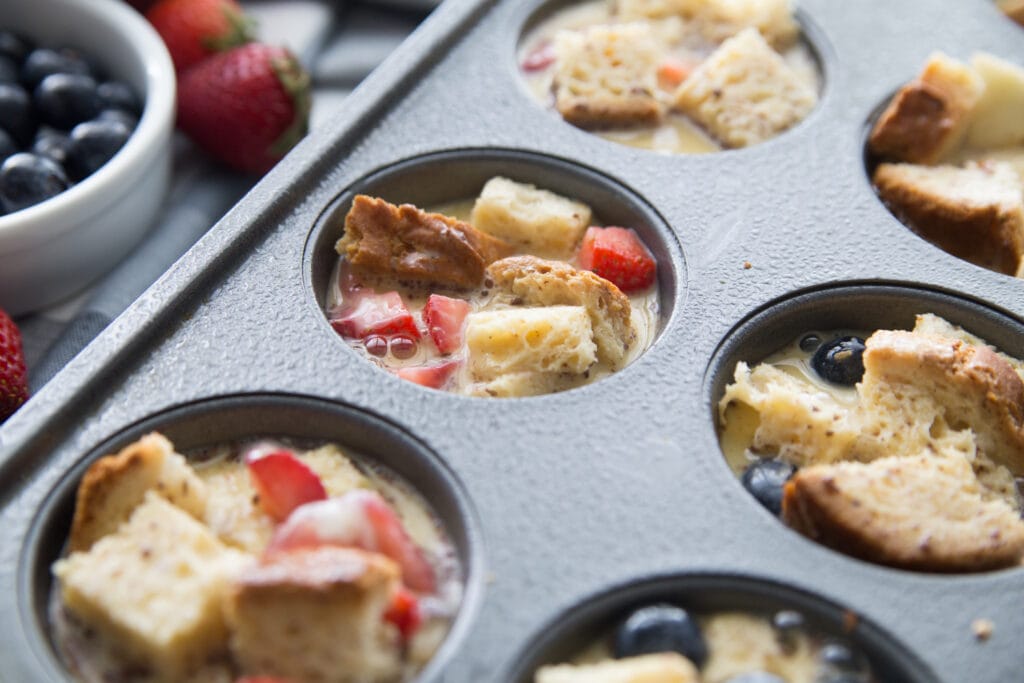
column 566, row 509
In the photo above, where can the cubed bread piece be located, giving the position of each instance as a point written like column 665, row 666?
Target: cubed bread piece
column 745, row 93
column 933, row 325
column 546, row 339
column 155, row 588
column 665, row 667
column 720, row 19
column 975, row 213
column 928, row 117
column 605, row 76
column 998, row 119
column 316, row 615
column 1013, row 9
column 532, row 219
column 519, row 384
column 740, row 643
column 232, row 511
column 115, row 484
column 411, row 245
column 920, row 512
column 552, row 283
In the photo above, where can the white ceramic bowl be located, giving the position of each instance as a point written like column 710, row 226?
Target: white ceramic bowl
column 53, row 249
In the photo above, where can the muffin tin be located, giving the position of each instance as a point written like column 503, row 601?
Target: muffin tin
column 608, row 489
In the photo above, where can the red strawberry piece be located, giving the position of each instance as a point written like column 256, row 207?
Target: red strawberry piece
column 283, row 483
column 445, row 317
column 359, row 519
column 247, row 106
column 195, row 29
column 539, row 58
column 404, row 612
column 618, row 255
column 13, row 376
column 432, row 376
column 366, row 313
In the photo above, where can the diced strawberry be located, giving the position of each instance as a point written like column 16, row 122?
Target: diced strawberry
column 540, row 58
column 367, row 313
column 672, row 72
column 283, row 483
column 404, row 612
column 359, row 519
column 618, row 255
column 432, row 376
column 445, row 317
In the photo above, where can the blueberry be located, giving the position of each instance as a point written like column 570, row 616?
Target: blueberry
column 27, row 179
column 118, row 95
column 16, row 113
column 764, row 480
column 838, row 658
column 840, row 361
column 810, row 343
column 8, row 70
column 93, row 143
column 14, row 46
column 65, row 100
column 43, row 62
column 52, row 144
column 661, row 628
column 129, row 120
column 7, row 145
column 755, row 677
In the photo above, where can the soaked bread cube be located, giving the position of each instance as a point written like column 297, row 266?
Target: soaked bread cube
column 1013, row 9
column 605, row 76
column 664, row 667
column 743, row 643
column 997, row 119
column 115, row 484
column 975, row 213
column 546, row 339
column 530, row 218
column 316, row 615
column 721, row 19
column 745, row 93
column 154, row 588
column 928, row 117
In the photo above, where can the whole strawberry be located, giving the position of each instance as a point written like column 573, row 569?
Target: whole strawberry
column 195, row 29
column 13, row 378
column 247, row 106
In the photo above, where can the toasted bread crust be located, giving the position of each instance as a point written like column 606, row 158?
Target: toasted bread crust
column 540, row 282
column 986, row 229
column 409, row 244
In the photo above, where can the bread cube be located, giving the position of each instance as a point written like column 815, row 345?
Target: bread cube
column 530, row 218
column 605, row 76
column 745, row 93
column 976, row 213
column 316, row 615
column 546, row 339
column 665, row 667
column 998, row 119
column 1013, row 9
column 720, row 19
column 115, row 484
column 155, row 588
column 928, row 117
column 741, row 643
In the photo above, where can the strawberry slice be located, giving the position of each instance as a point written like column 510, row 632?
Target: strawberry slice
column 359, row 519
column 283, row 482
column 431, row 376
column 618, row 255
column 404, row 612
column 445, row 318
column 368, row 313
column 539, row 58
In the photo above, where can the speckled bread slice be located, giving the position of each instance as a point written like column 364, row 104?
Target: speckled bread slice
column 997, row 120
column 232, row 511
column 745, row 93
column 917, row 512
column 976, row 213
column 409, row 244
column 544, row 339
column 605, row 76
column 115, row 484
column 1013, row 9
column 739, row 643
column 316, row 615
column 928, row 117
column 720, row 19
column 665, row 667
column 154, row 588
column 530, row 218
column 551, row 283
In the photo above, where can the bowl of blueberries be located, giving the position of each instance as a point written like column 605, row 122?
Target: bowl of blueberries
column 87, row 100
